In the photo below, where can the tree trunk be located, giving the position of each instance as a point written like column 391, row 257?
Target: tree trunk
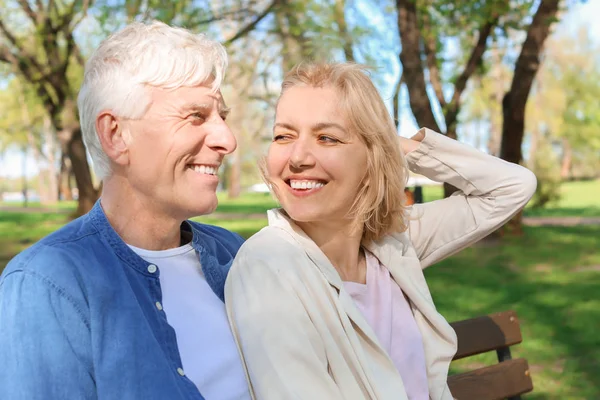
column 397, row 101
column 24, row 186
column 50, row 140
column 567, row 158
column 340, row 20
column 64, row 178
column 495, row 123
column 515, row 100
column 412, row 68
column 81, row 169
column 295, row 46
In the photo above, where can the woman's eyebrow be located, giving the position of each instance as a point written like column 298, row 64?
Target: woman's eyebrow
column 327, row 125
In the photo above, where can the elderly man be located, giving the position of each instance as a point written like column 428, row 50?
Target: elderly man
column 126, row 302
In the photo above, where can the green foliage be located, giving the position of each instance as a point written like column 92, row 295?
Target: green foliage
column 546, row 167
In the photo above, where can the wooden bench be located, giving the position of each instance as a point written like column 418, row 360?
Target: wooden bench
column 506, row 380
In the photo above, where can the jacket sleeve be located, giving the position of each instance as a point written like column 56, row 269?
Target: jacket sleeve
column 280, row 347
column 41, row 357
column 491, row 191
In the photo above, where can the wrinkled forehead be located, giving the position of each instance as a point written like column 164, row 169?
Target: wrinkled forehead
column 200, row 96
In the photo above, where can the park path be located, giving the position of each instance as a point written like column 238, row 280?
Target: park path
column 530, row 221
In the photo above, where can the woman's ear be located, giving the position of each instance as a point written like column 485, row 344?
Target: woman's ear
column 113, row 137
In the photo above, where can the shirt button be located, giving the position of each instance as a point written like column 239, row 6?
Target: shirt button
column 152, row 268
column 159, row 306
column 180, row 372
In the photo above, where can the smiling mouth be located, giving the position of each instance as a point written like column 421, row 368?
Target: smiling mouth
column 305, row 184
column 204, row 169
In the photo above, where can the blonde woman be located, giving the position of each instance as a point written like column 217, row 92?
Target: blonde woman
column 329, row 301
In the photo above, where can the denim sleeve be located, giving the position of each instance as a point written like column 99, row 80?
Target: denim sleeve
column 44, row 341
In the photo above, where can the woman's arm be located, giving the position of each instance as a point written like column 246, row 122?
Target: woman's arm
column 280, row 347
column 491, row 191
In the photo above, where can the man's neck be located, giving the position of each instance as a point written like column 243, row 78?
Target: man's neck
column 138, row 221
column 342, row 249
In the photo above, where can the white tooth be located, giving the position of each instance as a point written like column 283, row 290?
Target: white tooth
column 319, row 185
column 304, row 184
column 211, row 170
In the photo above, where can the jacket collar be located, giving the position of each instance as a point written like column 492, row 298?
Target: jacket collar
column 214, row 268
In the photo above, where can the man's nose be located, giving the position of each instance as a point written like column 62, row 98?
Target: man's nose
column 220, row 138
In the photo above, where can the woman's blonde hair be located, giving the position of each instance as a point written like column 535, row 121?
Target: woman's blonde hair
column 379, row 208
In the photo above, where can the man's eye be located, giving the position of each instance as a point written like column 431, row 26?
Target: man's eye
column 278, row 138
column 198, row 116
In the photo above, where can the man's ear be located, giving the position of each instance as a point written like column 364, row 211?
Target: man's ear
column 113, row 137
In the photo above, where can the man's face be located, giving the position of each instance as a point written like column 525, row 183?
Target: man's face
column 176, row 149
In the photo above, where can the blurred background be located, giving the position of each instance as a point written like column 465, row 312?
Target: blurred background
column 517, row 79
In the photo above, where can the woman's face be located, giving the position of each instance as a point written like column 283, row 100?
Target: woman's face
column 314, row 162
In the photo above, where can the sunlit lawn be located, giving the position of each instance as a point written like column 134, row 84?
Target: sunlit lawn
column 551, row 277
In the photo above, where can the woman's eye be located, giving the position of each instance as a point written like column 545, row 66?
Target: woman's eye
column 328, row 139
column 278, row 138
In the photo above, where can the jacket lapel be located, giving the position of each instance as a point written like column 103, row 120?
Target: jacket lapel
column 439, row 339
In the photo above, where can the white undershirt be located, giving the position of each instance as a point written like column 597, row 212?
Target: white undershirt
column 208, row 352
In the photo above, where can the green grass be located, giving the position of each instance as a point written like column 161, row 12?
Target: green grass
column 550, row 277
column 62, row 205
column 249, row 203
column 19, row 230
column 578, row 199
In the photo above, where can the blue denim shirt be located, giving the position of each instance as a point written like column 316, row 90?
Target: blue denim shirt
column 80, row 316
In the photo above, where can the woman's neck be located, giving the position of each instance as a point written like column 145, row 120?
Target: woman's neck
column 341, row 248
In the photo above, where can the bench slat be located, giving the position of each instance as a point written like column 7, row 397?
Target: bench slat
column 509, row 378
column 491, row 332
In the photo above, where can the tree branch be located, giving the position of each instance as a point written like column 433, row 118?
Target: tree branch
column 28, row 11
column 5, row 54
column 340, row 20
column 397, row 100
column 474, row 60
column 429, row 44
column 23, row 59
column 410, row 57
column 252, row 24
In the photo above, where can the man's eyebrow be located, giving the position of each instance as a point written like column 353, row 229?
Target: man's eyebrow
column 223, row 109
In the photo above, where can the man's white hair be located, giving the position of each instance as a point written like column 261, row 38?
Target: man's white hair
column 118, row 73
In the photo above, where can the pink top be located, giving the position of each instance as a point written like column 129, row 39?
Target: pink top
column 387, row 311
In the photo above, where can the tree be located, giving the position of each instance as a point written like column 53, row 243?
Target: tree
column 27, row 125
column 39, row 45
column 515, row 100
column 423, row 28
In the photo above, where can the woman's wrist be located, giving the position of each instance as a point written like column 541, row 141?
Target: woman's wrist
column 408, row 145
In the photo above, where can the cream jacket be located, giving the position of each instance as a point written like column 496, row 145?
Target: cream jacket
column 299, row 332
